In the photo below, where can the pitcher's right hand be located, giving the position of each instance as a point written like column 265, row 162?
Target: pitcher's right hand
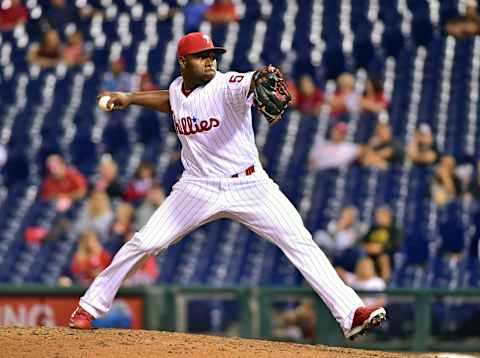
column 113, row 101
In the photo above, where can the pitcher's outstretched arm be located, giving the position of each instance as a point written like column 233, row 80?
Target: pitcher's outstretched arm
column 156, row 100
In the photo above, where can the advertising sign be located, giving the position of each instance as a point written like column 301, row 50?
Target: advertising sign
column 126, row 312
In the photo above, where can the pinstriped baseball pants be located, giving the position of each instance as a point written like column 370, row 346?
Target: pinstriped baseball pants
column 254, row 201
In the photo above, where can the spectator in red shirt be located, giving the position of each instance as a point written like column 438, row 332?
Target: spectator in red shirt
column 12, row 15
column 138, row 188
column 49, row 53
column 63, row 184
column 310, row 97
column 374, row 100
column 221, row 12
column 146, row 83
column 75, row 53
column 90, row 259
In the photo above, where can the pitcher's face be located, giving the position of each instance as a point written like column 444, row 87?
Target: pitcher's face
column 200, row 66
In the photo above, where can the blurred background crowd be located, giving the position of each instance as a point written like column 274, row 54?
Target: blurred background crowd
column 385, row 105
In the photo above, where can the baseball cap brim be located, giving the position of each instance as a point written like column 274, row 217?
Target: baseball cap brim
column 219, row 50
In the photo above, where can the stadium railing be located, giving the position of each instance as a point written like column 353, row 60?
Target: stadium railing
column 419, row 319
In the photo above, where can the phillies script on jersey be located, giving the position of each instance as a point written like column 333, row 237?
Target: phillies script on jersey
column 191, row 125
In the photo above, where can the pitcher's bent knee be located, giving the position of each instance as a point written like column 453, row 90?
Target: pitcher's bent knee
column 147, row 244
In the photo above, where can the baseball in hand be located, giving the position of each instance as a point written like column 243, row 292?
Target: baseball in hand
column 103, row 103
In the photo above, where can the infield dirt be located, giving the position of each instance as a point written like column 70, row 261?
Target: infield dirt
column 113, row 343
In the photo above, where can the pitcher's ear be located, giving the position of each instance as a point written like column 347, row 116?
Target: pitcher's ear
column 182, row 61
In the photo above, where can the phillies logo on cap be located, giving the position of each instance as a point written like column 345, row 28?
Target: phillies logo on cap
column 196, row 42
column 208, row 39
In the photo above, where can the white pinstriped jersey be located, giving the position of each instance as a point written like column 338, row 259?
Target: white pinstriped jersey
column 214, row 124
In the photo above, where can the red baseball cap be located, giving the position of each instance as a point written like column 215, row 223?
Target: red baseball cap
column 196, row 42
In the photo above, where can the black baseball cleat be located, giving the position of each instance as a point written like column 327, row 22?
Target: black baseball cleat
column 364, row 319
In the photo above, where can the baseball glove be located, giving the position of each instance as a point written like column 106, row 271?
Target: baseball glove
column 270, row 93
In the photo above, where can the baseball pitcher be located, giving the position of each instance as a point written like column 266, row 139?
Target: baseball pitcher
column 223, row 178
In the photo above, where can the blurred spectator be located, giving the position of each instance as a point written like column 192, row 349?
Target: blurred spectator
column 98, row 215
column 446, row 185
column 339, row 240
column 467, row 25
column 64, row 281
column 108, row 180
column 341, row 234
column 63, row 184
column 336, row 152
column 221, row 12
column 421, row 150
column 60, row 227
column 49, row 53
column 381, row 148
column 117, row 79
column 310, row 97
column 12, row 13
column 75, row 52
column 145, row 272
column 155, row 197
column 138, row 188
column 345, row 99
column 89, row 259
column 146, row 83
column 3, row 156
column 374, row 100
column 299, row 323
column 194, row 13
column 462, row 27
column 365, row 279
column 381, row 241
column 122, row 226
column 465, row 173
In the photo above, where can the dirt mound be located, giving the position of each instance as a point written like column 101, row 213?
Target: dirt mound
column 104, row 343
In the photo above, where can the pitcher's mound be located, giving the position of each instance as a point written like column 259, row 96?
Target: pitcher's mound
column 115, row 343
